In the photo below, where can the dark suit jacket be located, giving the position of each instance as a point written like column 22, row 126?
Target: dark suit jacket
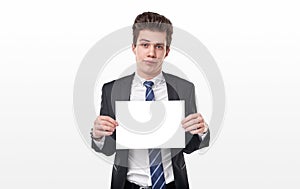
column 119, row 90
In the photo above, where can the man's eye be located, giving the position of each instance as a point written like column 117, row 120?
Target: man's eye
column 159, row 47
column 145, row 45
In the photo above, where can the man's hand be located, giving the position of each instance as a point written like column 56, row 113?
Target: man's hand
column 104, row 126
column 195, row 124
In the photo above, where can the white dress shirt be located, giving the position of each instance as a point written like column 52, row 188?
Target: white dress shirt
column 138, row 159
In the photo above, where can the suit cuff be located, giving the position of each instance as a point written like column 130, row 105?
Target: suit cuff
column 99, row 143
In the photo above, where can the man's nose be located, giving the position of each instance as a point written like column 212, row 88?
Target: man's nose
column 151, row 52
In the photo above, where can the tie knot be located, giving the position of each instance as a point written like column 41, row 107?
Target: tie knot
column 148, row 84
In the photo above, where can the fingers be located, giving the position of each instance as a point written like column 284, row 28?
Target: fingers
column 106, row 119
column 99, row 133
column 194, row 123
column 195, row 127
column 104, row 126
column 191, row 120
column 198, row 130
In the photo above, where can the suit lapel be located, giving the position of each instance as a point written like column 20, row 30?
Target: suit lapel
column 171, row 84
column 121, row 90
column 172, row 94
column 175, row 152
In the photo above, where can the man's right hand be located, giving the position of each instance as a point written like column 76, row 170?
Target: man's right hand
column 104, row 126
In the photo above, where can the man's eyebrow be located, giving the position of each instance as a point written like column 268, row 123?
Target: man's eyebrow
column 146, row 40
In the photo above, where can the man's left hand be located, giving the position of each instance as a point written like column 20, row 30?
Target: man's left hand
column 195, row 124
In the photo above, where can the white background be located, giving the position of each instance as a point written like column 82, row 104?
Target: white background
column 255, row 43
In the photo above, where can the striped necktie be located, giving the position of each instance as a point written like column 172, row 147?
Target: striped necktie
column 156, row 167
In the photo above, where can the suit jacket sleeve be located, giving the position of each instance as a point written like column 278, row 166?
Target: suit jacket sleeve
column 109, row 146
column 194, row 142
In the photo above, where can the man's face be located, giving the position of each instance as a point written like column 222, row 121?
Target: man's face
column 150, row 52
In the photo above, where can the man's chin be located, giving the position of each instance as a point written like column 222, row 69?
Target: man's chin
column 149, row 73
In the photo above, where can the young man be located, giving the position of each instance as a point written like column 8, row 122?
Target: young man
column 158, row 168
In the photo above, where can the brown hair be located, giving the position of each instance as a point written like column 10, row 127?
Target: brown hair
column 154, row 22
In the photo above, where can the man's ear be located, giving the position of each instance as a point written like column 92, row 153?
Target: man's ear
column 167, row 52
column 133, row 47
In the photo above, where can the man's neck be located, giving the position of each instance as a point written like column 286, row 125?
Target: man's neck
column 147, row 77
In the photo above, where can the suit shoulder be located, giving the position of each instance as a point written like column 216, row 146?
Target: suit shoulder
column 178, row 80
column 110, row 84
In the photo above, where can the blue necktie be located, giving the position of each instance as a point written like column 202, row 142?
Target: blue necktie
column 156, row 167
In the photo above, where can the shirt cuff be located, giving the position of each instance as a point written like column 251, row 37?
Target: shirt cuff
column 202, row 135
column 99, row 143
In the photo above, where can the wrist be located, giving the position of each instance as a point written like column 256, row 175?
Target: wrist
column 94, row 137
column 205, row 128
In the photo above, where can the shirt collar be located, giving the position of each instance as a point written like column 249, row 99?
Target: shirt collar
column 157, row 80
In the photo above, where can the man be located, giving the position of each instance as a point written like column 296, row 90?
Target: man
column 158, row 168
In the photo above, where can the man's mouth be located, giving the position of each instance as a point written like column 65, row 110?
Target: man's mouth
column 150, row 62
